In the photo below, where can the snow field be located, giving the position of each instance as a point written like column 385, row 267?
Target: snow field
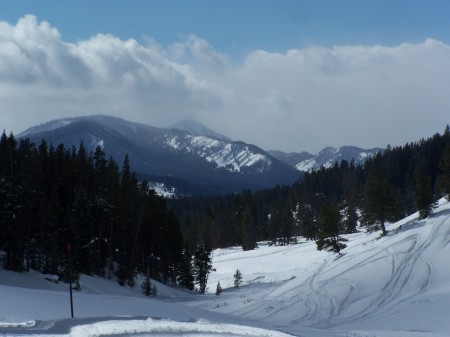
column 395, row 286
column 399, row 282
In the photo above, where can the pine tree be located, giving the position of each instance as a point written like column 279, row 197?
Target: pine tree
column 112, row 186
column 423, row 194
column 11, row 222
column 307, row 218
column 237, row 278
column 248, row 230
column 148, row 288
column 202, row 266
column 127, row 272
column 328, row 228
column 351, row 219
column 218, row 289
column 281, row 224
column 185, row 276
column 380, row 202
column 444, row 167
column 287, row 226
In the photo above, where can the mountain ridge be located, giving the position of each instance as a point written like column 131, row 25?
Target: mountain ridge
column 327, row 157
column 207, row 164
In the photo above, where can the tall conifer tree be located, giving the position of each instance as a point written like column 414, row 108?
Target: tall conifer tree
column 423, row 193
column 328, row 228
column 248, row 230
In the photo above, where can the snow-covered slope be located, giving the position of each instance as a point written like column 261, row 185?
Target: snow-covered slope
column 395, row 286
column 234, row 157
column 397, row 283
column 306, row 162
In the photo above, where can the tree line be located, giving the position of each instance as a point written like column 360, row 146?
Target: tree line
column 327, row 202
column 115, row 224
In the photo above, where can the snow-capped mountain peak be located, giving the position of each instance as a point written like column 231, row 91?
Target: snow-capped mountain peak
column 327, row 158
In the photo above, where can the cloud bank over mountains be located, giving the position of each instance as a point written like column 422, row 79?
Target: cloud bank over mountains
column 301, row 99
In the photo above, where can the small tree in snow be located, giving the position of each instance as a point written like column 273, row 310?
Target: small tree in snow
column 148, row 289
column 237, row 278
column 218, row 289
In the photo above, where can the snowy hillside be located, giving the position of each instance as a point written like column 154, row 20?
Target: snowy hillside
column 234, row 157
column 395, row 286
column 400, row 282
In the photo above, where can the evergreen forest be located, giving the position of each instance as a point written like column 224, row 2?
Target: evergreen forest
column 326, row 203
column 57, row 200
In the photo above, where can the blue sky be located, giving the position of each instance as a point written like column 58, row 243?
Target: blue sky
column 236, row 27
column 291, row 75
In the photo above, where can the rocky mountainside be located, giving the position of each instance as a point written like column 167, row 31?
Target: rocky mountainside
column 305, row 161
column 191, row 162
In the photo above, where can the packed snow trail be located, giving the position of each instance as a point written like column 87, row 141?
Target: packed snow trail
column 134, row 327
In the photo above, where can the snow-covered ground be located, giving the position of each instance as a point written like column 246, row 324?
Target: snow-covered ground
column 396, row 286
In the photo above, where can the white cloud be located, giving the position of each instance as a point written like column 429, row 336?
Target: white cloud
column 303, row 99
column 200, row 50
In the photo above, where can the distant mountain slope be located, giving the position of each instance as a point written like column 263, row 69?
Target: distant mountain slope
column 292, row 158
column 192, row 163
column 305, row 161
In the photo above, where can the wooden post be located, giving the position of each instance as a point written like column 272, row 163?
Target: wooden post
column 70, row 280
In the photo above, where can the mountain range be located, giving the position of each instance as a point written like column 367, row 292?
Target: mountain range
column 188, row 158
column 305, row 161
column 191, row 158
